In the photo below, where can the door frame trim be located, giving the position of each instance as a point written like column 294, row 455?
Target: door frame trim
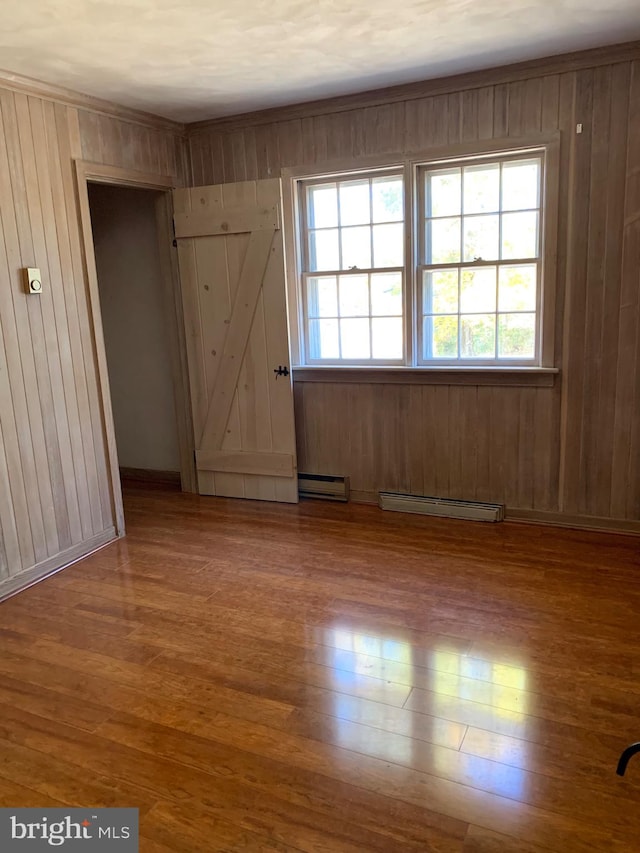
column 87, row 172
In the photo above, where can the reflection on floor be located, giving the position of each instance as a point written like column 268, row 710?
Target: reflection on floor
column 257, row 677
column 501, row 687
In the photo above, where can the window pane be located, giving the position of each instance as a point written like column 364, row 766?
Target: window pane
column 356, row 248
column 482, row 189
column 521, row 185
column 478, row 336
column 516, row 335
column 386, row 294
column 323, row 250
column 481, row 238
column 478, row 290
column 387, row 199
column 388, row 248
column 443, row 192
column 440, row 337
column 520, row 235
column 323, row 339
column 354, row 296
column 386, row 333
column 443, row 241
column 440, row 292
column 354, row 203
column 517, row 290
column 354, row 337
column 323, row 206
column 323, row 297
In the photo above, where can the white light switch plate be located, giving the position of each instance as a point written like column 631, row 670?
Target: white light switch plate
column 34, row 280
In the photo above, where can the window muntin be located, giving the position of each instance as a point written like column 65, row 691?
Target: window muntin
column 480, row 251
column 353, row 269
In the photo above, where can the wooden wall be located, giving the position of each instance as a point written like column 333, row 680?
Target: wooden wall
column 569, row 452
column 112, row 141
column 55, row 501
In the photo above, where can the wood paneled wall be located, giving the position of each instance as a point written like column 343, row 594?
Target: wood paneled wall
column 461, row 441
column 569, row 451
column 55, row 500
column 112, row 141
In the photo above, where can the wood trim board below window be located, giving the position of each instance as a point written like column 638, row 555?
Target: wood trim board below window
column 536, row 376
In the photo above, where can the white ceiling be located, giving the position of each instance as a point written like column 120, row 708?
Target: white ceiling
column 197, row 59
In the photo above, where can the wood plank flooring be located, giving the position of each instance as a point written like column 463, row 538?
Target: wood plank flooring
column 322, row 677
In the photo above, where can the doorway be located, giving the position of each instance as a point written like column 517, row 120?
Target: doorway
column 136, row 334
column 138, row 325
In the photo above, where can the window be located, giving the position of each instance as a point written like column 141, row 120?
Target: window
column 353, row 269
column 450, row 276
column 480, row 253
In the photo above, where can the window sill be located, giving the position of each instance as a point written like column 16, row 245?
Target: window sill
column 510, row 376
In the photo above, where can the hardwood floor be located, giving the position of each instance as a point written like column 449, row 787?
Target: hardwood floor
column 324, row 677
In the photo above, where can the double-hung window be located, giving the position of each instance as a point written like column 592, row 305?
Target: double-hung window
column 353, row 251
column 426, row 264
column 479, row 275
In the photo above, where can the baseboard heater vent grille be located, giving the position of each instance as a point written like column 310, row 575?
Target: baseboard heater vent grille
column 323, row 486
column 442, row 507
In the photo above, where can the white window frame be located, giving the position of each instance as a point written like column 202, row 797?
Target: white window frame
column 421, row 266
column 305, row 273
column 545, row 145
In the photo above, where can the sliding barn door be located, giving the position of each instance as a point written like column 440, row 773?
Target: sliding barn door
column 231, row 260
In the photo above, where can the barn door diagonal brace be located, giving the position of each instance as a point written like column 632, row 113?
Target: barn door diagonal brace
column 236, row 340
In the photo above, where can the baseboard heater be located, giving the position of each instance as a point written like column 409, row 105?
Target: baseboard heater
column 442, row 507
column 323, row 486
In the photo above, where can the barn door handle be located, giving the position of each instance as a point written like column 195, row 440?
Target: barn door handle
column 281, row 371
